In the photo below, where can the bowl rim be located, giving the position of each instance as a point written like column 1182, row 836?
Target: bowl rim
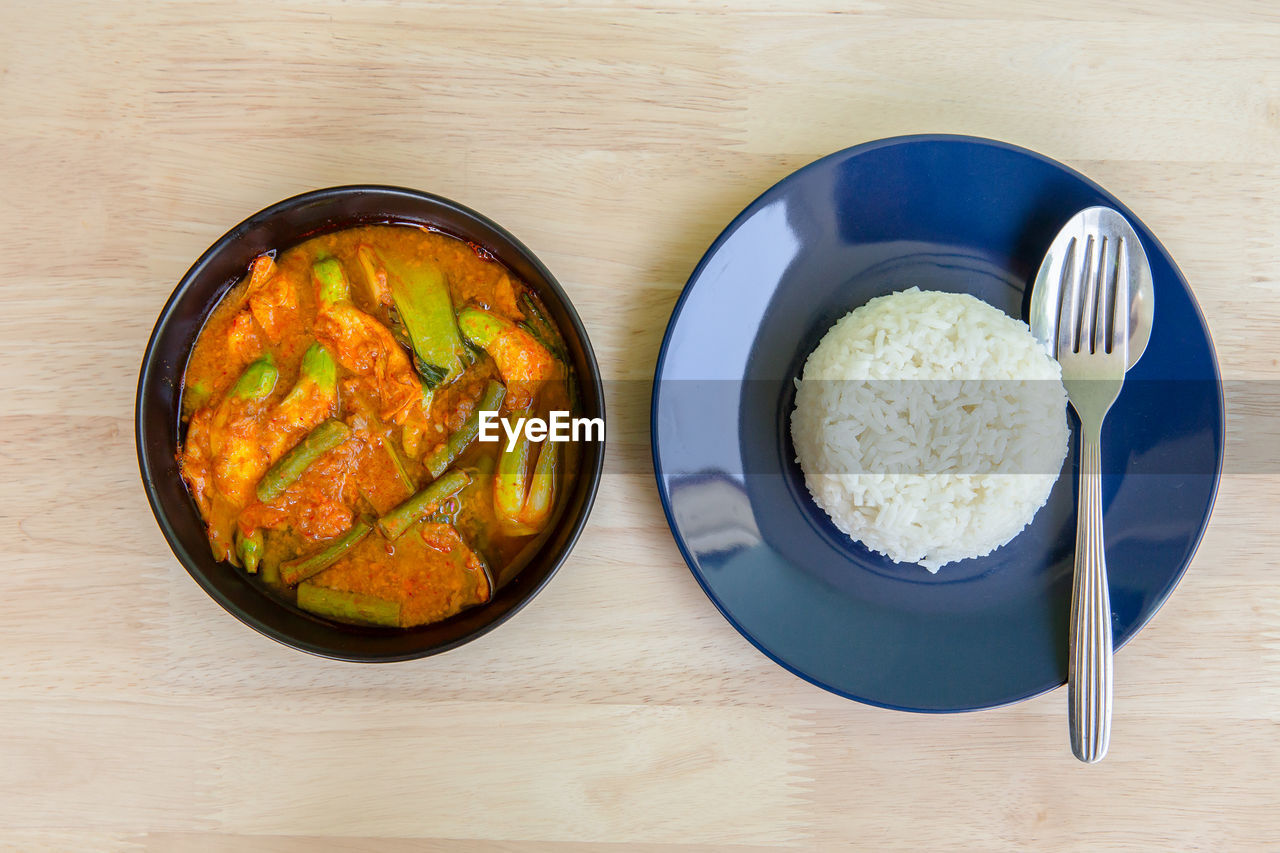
column 592, row 381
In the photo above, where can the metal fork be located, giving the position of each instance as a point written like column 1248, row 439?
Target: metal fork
column 1093, row 349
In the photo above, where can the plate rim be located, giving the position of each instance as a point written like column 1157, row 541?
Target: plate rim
column 749, row 210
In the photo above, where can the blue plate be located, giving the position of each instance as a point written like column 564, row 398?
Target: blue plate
column 947, row 213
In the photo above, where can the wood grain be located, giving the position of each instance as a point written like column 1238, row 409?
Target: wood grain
column 619, row 711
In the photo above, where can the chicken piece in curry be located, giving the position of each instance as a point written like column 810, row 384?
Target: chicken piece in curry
column 333, row 403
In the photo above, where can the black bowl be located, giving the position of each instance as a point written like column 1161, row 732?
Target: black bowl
column 158, row 423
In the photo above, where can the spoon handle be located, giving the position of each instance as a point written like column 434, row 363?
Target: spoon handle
column 1089, row 662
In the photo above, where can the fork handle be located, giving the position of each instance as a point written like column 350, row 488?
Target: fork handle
column 1089, row 662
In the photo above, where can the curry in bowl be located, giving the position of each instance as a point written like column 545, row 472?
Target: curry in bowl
column 334, row 405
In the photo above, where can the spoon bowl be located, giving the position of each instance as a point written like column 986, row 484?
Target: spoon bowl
column 1046, row 291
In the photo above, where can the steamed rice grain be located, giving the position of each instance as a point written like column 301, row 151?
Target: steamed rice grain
column 930, row 426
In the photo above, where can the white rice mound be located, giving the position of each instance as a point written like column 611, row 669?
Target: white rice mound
column 904, row 448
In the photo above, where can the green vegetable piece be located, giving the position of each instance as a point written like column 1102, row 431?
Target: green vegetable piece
column 432, row 376
column 294, row 571
column 375, row 281
column 252, row 388
column 537, row 504
column 397, row 521
column 258, row 380
column 249, row 548
column 511, row 484
column 542, row 329
column 521, row 501
column 332, row 287
column 222, row 551
column 481, row 327
column 490, row 401
column 269, row 571
column 317, row 381
column 290, row 467
column 402, row 473
column 422, row 301
column 522, row 361
column 196, row 394
column 319, row 367
column 348, row 606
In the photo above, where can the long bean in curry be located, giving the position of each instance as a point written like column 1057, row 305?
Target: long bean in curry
column 348, row 606
column 445, row 455
column 294, row 571
column 394, row 524
column 291, row 466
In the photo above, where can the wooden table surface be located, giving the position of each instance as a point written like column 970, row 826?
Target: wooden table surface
column 619, row 710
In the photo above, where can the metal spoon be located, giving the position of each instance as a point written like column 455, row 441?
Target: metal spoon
column 1091, row 308
column 1046, row 291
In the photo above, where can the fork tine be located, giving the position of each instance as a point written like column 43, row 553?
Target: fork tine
column 1088, row 292
column 1120, row 307
column 1103, row 300
column 1068, row 299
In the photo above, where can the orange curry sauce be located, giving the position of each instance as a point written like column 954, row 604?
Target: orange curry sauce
column 453, row 559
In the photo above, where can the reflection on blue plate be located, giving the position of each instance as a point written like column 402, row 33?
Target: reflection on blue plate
column 944, row 213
